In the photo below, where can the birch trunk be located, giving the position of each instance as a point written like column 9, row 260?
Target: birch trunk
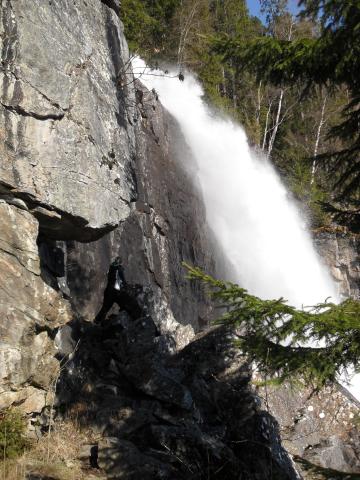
column 317, row 140
column 277, row 123
column 266, row 127
column 278, row 113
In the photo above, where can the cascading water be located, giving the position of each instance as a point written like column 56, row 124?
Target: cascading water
column 248, row 208
column 253, row 218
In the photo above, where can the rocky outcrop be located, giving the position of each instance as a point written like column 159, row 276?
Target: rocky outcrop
column 341, row 253
column 85, row 159
column 67, row 154
column 321, row 427
column 165, row 227
column 67, row 142
column 160, row 415
column 30, row 309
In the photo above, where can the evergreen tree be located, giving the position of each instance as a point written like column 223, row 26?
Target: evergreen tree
column 273, row 333
column 331, row 58
column 147, row 23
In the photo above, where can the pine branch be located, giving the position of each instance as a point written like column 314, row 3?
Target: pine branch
column 281, row 338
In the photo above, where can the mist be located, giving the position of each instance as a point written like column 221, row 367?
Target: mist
column 257, row 225
column 254, row 219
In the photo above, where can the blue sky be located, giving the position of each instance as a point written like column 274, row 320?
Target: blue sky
column 254, row 7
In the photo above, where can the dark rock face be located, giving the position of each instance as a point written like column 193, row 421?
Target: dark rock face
column 73, row 162
column 166, row 226
column 170, row 416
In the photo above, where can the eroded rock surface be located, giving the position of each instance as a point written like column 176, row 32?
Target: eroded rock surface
column 341, row 253
column 321, row 427
column 77, row 149
column 67, row 142
column 166, row 226
column 30, row 309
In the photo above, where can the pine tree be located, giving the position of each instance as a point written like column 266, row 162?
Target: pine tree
column 331, row 58
column 273, row 333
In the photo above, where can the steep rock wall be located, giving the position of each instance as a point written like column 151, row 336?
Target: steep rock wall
column 67, row 145
column 92, row 168
column 63, row 119
column 341, row 253
column 82, row 156
column 165, row 227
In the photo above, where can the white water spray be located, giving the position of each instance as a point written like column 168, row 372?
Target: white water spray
column 253, row 218
column 248, row 208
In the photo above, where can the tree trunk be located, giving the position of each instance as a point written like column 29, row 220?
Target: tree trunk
column 317, row 140
column 185, row 29
column 278, row 113
column 266, row 127
column 277, row 123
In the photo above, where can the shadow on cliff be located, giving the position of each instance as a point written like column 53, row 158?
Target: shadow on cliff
column 188, row 415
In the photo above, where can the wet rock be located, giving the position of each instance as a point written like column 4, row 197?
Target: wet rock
column 166, row 227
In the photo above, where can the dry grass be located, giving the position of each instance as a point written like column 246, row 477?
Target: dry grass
column 54, row 456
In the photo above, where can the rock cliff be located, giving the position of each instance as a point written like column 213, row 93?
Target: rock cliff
column 74, row 166
column 62, row 116
column 91, row 171
column 341, row 253
column 319, row 427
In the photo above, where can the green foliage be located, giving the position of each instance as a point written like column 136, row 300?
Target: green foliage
column 331, row 58
column 12, row 429
column 310, row 195
column 137, row 22
column 274, row 332
column 147, row 22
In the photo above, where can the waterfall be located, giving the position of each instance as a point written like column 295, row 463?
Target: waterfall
column 256, row 223
column 252, row 215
